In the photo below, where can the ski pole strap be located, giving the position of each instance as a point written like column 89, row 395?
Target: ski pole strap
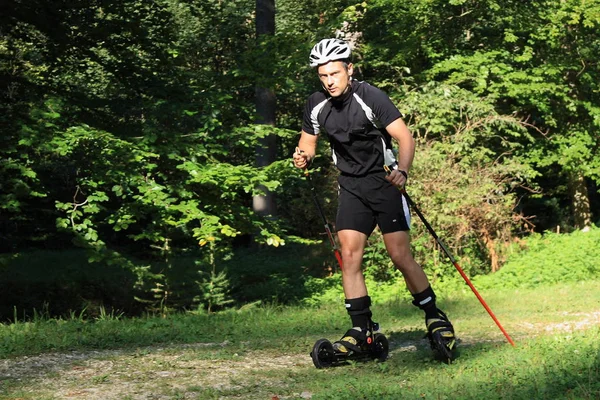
column 388, row 169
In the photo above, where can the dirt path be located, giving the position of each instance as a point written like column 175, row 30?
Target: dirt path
column 178, row 371
column 117, row 374
column 113, row 374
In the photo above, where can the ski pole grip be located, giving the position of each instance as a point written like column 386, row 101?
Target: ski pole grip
column 305, row 169
column 388, row 170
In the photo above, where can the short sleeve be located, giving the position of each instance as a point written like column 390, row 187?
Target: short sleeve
column 384, row 109
column 312, row 108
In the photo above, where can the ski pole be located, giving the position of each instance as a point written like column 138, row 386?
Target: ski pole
column 336, row 250
column 452, row 259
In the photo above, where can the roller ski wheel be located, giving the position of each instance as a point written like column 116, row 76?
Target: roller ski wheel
column 381, row 347
column 440, row 333
column 325, row 355
column 322, row 354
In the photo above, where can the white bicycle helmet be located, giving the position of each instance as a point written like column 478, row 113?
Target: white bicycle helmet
column 329, row 50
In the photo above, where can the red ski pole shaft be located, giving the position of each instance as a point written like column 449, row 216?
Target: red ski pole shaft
column 455, row 263
column 336, row 250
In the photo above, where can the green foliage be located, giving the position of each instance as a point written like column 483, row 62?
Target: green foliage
column 531, row 60
column 142, row 142
column 214, row 286
column 549, row 258
column 328, row 290
column 129, row 128
column 464, row 178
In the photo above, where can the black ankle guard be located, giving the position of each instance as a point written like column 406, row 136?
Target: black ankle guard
column 359, row 311
column 425, row 299
column 358, row 306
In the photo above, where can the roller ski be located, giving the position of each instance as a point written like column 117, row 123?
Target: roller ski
column 440, row 333
column 355, row 345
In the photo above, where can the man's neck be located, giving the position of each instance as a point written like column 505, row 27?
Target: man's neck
column 346, row 93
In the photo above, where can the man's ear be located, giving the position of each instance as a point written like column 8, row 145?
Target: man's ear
column 350, row 69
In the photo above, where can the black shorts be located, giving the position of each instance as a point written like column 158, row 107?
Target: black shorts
column 370, row 200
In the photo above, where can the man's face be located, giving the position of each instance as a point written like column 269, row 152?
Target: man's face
column 335, row 77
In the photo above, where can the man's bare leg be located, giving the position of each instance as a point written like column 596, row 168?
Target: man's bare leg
column 357, row 301
column 439, row 328
column 398, row 247
column 353, row 247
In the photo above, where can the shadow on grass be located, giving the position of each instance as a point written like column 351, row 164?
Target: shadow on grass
column 543, row 368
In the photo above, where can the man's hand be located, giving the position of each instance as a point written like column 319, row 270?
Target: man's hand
column 301, row 159
column 397, row 177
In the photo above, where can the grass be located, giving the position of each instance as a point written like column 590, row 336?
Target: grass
column 262, row 353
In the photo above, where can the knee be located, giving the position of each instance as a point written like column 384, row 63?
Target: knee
column 351, row 255
column 403, row 260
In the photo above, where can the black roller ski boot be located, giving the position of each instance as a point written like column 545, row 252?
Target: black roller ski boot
column 440, row 333
column 364, row 344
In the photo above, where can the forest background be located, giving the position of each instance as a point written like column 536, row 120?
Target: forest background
column 145, row 149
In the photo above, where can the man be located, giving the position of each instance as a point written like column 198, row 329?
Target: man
column 360, row 122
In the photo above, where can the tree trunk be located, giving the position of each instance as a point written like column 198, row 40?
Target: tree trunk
column 580, row 201
column 265, row 108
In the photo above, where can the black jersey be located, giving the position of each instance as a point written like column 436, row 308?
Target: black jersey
column 355, row 125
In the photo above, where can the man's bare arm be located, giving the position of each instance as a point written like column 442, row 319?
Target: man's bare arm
column 306, row 150
column 406, row 150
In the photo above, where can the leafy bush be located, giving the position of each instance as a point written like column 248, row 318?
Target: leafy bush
column 329, row 290
column 535, row 261
column 547, row 259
